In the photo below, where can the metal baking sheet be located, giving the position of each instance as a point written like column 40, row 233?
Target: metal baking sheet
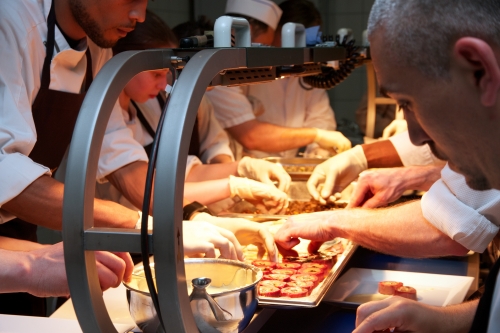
column 319, row 292
column 292, row 166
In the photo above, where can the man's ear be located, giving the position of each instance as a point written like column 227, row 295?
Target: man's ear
column 478, row 58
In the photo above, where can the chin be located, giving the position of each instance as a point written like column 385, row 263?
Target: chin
column 478, row 183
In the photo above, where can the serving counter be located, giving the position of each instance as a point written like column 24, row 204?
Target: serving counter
column 324, row 318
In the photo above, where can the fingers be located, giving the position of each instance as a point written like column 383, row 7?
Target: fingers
column 268, row 241
column 313, row 246
column 287, row 252
column 227, row 244
column 312, row 184
column 129, row 264
column 378, row 316
column 284, row 180
column 328, row 186
column 113, row 268
column 359, row 195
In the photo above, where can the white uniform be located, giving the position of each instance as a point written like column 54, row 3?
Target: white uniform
column 411, row 154
column 23, row 30
column 282, row 102
column 213, row 139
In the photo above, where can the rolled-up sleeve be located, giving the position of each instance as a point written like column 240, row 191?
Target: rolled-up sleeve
column 119, row 148
column 411, row 154
column 17, row 130
column 231, row 106
column 469, row 217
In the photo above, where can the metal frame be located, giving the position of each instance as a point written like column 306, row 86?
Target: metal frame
column 79, row 234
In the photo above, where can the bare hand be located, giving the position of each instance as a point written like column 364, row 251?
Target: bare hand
column 377, row 188
column 48, row 274
column 409, row 316
column 312, row 226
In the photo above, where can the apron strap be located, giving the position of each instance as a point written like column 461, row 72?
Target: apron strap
column 482, row 317
column 49, row 47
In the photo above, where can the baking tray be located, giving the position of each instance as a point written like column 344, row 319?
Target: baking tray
column 298, row 168
column 319, row 292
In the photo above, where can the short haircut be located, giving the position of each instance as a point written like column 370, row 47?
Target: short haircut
column 151, row 34
column 193, row 28
column 299, row 11
column 421, row 33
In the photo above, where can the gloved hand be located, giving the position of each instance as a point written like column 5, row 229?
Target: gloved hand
column 265, row 197
column 202, row 237
column 336, row 173
column 313, row 150
column 264, row 172
column 332, row 139
column 246, row 232
column 395, row 127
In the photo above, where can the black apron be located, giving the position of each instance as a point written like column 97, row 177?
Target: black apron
column 54, row 114
column 480, row 323
column 194, row 145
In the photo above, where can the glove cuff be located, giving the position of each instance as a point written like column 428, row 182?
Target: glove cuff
column 358, row 158
column 242, row 166
column 139, row 222
column 192, row 208
column 319, row 135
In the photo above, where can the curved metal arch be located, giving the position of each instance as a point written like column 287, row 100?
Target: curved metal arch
column 79, row 189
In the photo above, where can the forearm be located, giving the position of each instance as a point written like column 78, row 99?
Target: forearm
column 399, row 230
column 255, row 135
column 204, row 172
column 41, row 203
column 15, row 270
column 382, row 154
column 455, row 318
column 222, row 158
column 420, row 177
column 13, row 244
column 207, row 192
column 130, row 180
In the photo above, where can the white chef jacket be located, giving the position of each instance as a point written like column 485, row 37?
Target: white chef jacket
column 281, row 102
column 213, row 139
column 411, row 154
column 471, row 218
column 494, row 322
column 23, row 29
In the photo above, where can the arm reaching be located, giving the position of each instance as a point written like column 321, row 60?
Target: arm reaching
column 377, row 188
column 42, row 272
column 247, row 232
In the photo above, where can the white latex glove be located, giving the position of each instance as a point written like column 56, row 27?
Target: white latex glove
column 395, row 127
column 202, row 238
column 264, row 172
column 265, row 197
column 247, row 232
column 336, row 173
column 332, row 139
column 315, row 151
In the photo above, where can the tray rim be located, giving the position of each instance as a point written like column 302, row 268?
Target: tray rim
column 290, row 303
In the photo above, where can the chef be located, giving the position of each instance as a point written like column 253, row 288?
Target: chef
column 277, row 118
column 453, row 83
column 47, row 66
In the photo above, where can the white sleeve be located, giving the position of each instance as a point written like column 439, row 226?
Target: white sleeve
column 191, row 162
column 319, row 113
column 19, row 85
column 411, row 154
column 119, row 147
column 469, row 217
column 213, row 139
column 231, row 106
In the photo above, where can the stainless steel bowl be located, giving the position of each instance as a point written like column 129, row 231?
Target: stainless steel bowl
column 224, row 297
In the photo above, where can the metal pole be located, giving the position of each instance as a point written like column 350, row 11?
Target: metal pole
column 79, row 189
column 169, row 182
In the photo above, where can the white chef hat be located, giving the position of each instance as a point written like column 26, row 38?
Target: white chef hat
column 263, row 10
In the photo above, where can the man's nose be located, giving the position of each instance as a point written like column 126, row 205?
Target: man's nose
column 417, row 134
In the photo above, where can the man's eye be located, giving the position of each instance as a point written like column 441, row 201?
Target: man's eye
column 404, row 106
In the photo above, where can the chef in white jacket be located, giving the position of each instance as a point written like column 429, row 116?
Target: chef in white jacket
column 277, row 118
column 48, row 63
